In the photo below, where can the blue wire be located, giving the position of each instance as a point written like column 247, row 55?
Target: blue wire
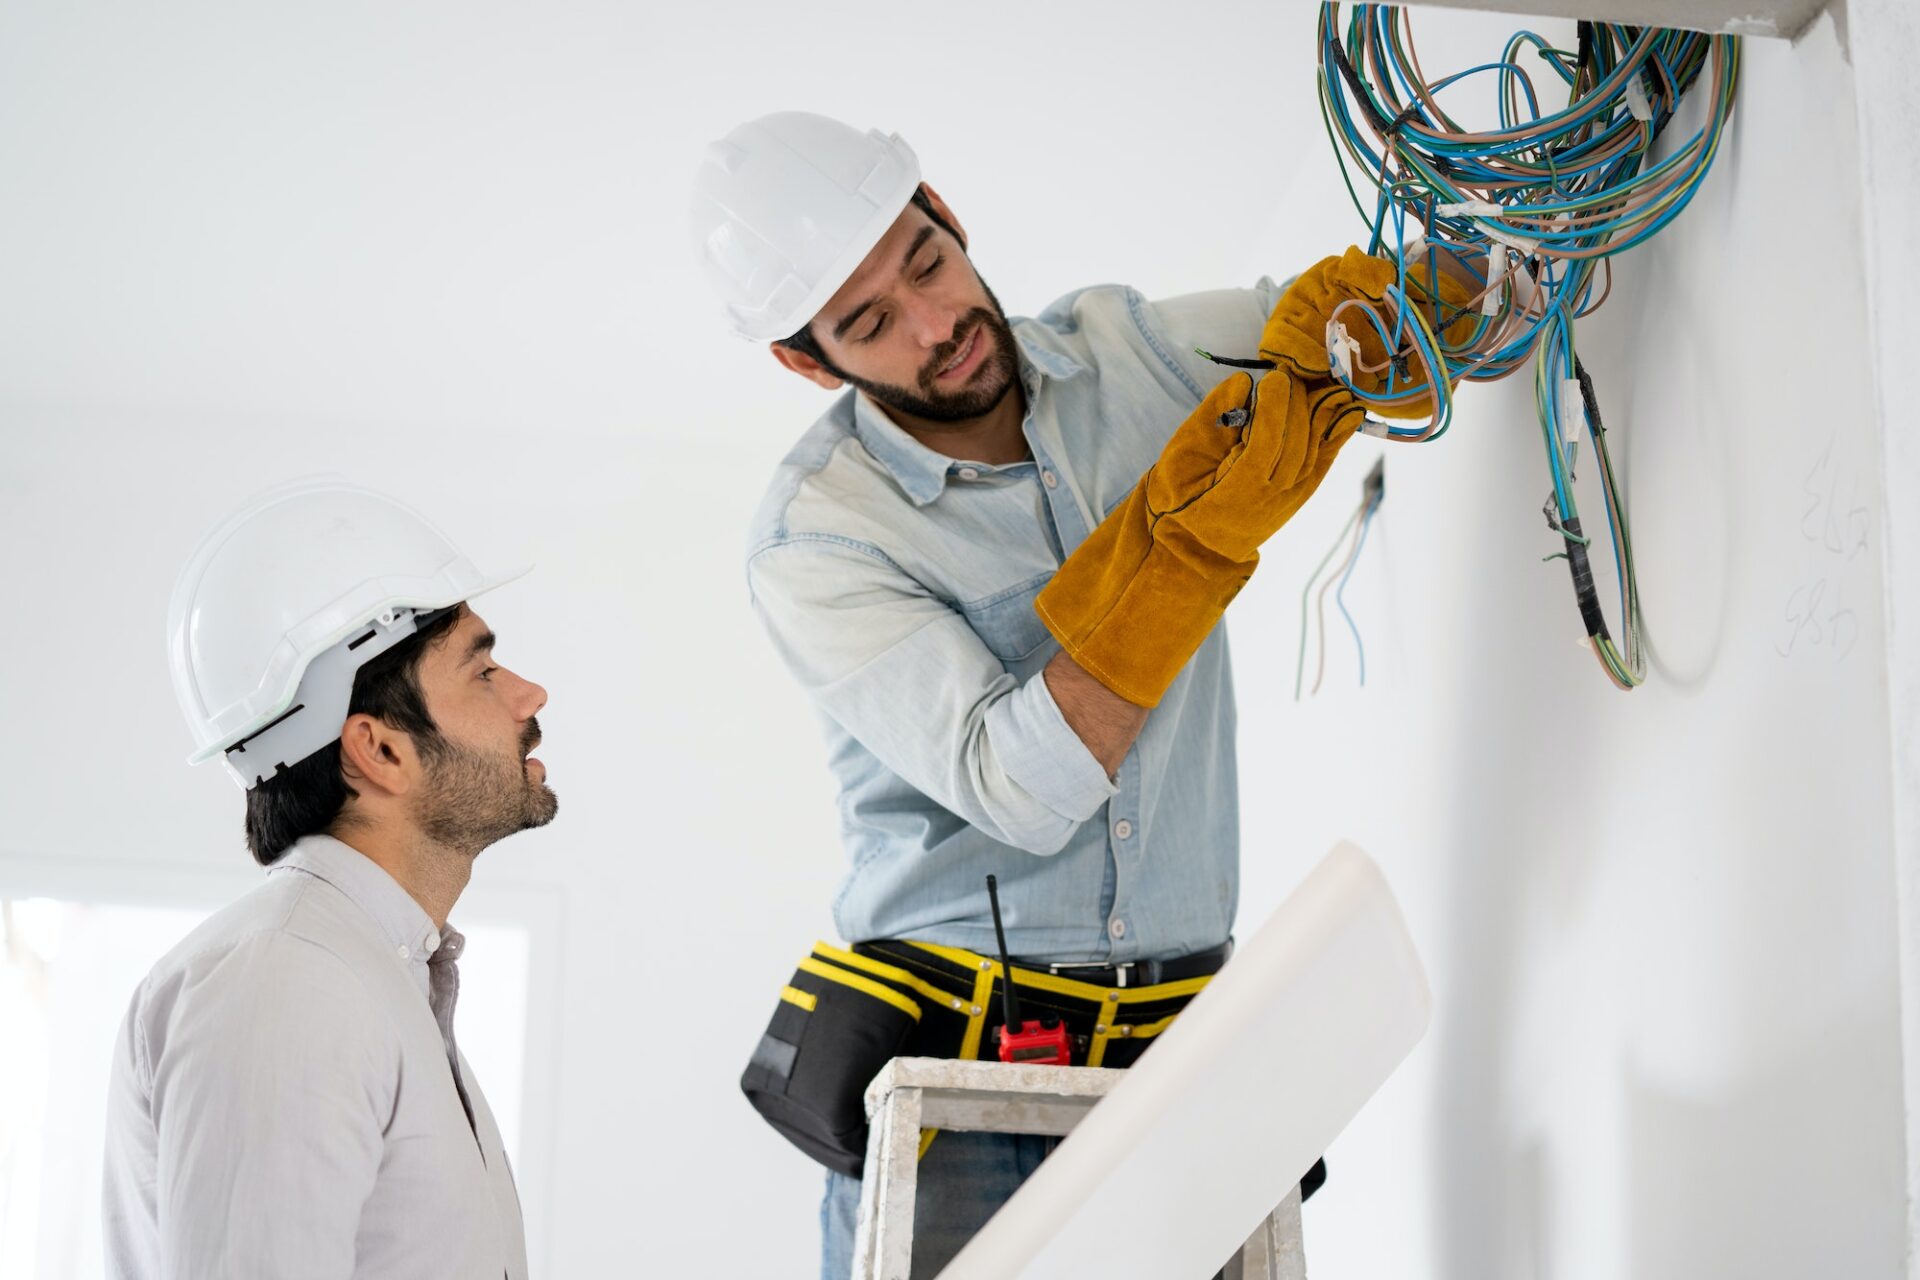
column 1340, row 591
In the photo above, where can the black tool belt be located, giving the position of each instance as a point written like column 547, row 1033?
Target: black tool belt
column 846, row 1013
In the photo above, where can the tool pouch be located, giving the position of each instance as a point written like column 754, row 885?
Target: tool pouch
column 831, row 1033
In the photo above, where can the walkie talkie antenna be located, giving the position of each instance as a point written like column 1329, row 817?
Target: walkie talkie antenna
column 1006, row 965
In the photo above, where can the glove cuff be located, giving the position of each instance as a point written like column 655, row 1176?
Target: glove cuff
column 1133, row 614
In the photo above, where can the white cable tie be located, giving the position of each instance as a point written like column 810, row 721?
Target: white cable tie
column 1496, row 275
column 1637, row 103
column 1572, row 414
column 1471, row 209
column 1526, row 247
column 1342, row 350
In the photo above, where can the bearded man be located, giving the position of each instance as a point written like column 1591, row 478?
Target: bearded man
column 287, row 1096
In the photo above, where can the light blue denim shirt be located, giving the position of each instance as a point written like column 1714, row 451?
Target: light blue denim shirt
column 898, row 583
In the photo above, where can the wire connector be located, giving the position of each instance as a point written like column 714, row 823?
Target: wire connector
column 1573, row 410
column 1572, row 416
column 1496, row 280
column 1637, row 104
column 1471, row 209
column 1343, row 353
column 1377, row 429
column 1526, row 247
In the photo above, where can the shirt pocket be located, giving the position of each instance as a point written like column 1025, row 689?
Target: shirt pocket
column 1005, row 621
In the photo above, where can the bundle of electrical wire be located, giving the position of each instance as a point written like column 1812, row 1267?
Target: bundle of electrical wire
column 1523, row 220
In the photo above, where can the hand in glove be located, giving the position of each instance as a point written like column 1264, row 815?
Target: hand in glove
column 1134, row 601
column 1296, row 334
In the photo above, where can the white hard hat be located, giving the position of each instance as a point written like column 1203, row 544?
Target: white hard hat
column 286, row 601
column 784, row 209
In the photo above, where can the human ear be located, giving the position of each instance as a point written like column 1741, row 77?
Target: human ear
column 374, row 754
column 806, row 366
column 946, row 214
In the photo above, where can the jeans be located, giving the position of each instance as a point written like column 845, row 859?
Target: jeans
column 964, row 1178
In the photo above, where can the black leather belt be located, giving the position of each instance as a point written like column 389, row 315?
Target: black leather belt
column 1139, row 973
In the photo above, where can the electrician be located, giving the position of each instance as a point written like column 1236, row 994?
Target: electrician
column 996, row 564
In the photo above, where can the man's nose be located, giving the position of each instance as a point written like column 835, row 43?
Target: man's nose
column 932, row 321
column 532, row 697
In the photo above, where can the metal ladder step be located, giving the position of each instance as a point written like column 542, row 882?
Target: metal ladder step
column 912, row 1094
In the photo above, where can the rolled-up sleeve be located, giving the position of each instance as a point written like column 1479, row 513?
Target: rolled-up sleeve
column 905, row 675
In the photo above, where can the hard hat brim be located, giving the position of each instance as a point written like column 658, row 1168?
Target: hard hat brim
column 438, row 594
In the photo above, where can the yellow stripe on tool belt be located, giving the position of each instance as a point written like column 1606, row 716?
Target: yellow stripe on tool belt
column 957, row 994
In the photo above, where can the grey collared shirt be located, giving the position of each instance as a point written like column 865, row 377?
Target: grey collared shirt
column 284, row 1099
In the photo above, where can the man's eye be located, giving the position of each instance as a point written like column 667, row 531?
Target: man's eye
column 928, row 274
column 487, row 673
column 874, row 332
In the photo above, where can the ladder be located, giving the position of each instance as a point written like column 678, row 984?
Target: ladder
column 912, row 1094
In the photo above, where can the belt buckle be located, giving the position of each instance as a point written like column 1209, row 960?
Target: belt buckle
column 1120, row 971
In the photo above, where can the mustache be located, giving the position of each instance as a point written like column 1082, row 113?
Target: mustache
column 529, row 736
column 976, row 319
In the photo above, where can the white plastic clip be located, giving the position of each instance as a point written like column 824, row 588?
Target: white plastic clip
column 1573, row 413
column 1496, row 278
column 1637, row 103
column 1342, row 351
column 1526, row 247
column 1471, row 209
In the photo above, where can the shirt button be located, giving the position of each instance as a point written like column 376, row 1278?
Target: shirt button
column 1049, row 479
column 1118, row 928
column 404, row 953
column 1122, row 829
column 969, row 473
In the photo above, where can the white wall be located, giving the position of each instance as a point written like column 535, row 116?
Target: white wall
column 1661, row 924
column 439, row 247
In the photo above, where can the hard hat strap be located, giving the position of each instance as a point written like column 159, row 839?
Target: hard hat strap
column 320, row 702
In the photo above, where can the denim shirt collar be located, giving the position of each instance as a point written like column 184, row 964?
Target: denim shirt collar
column 921, row 472
column 403, row 922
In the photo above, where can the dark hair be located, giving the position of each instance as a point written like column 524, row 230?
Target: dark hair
column 306, row 798
column 807, row 345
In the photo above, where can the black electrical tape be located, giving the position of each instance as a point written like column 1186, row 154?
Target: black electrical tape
column 1577, row 559
column 1388, row 129
column 1588, row 398
column 1352, row 78
column 1233, row 363
column 1583, row 579
column 1401, row 121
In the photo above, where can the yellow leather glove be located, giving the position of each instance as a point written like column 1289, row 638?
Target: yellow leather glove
column 1134, row 601
column 1296, row 333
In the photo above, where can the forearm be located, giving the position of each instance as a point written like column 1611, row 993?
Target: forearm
column 1106, row 722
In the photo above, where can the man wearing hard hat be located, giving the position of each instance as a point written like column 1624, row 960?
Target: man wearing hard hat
column 287, row 1098
column 996, row 564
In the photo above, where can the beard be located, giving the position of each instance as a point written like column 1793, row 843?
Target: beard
column 473, row 798
column 983, row 392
